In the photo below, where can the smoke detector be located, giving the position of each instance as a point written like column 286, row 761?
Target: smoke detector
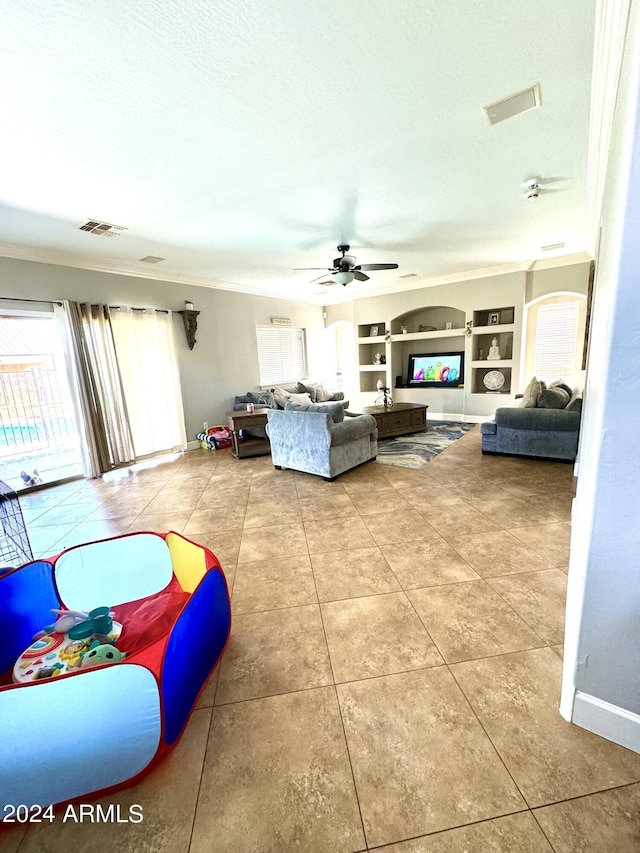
column 102, row 229
column 532, row 189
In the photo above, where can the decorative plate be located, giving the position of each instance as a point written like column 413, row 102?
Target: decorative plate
column 493, row 380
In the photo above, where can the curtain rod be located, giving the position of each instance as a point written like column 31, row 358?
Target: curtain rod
column 119, row 308
column 20, row 299
column 57, row 302
column 157, row 310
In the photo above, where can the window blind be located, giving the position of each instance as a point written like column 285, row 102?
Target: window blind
column 282, row 354
column 556, row 340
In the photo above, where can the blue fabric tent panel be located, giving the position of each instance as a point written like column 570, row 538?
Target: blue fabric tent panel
column 68, row 737
column 27, row 597
column 195, row 644
column 114, row 571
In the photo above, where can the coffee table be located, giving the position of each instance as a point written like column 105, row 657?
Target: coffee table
column 399, row 419
column 248, row 420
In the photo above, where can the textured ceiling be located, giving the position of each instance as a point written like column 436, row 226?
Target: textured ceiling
column 241, row 138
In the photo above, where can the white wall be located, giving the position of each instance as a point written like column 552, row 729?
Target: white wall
column 601, row 683
column 224, row 361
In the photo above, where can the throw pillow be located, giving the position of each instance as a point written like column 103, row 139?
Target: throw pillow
column 309, row 388
column 575, row 403
column 280, row 396
column 262, row 399
column 553, row 398
column 322, row 395
column 300, row 399
column 531, row 393
column 560, row 384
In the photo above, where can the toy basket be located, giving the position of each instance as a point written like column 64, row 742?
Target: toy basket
column 215, row 438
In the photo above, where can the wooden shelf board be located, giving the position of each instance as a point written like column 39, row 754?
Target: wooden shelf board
column 492, row 330
column 489, row 365
column 428, row 336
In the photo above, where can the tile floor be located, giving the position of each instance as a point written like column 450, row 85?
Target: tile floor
column 393, row 673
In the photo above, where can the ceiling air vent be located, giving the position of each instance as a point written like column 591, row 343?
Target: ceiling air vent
column 409, row 275
column 102, row 229
column 521, row 102
column 151, row 259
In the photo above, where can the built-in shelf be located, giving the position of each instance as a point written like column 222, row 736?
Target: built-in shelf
column 489, row 365
column 427, row 336
column 379, row 340
column 492, row 330
column 492, row 317
column 374, row 367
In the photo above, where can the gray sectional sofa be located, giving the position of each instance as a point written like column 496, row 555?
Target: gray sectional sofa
column 547, row 433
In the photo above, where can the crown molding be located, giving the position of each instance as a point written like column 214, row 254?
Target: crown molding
column 561, row 261
column 67, row 259
column 467, row 275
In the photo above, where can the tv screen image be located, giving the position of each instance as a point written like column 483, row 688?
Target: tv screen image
column 438, row 369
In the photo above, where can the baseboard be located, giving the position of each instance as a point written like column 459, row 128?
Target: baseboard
column 457, row 418
column 607, row 720
column 193, row 445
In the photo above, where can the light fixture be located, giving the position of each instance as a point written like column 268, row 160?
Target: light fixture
column 343, row 277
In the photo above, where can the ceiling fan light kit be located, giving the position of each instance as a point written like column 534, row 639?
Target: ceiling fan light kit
column 345, row 269
column 343, row 277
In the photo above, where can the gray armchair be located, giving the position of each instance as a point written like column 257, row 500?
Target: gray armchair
column 317, row 440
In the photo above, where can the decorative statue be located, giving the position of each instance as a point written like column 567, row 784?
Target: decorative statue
column 494, row 351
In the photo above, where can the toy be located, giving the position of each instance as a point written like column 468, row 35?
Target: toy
column 137, row 709
column 100, row 653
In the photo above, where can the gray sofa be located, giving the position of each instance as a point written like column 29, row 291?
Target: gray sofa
column 320, row 439
column 538, row 432
column 276, row 398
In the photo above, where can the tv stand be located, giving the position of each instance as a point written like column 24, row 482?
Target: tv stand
column 399, row 419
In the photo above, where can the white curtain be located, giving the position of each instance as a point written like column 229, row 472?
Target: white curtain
column 148, row 365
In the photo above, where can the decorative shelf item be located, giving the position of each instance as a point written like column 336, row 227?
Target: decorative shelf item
column 190, row 320
column 493, row 380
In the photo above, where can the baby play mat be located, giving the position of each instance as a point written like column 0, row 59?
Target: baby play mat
column 82, row 731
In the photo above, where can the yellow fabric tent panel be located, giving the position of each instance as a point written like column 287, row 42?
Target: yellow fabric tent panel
column 189, row 562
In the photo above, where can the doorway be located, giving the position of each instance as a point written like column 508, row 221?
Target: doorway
column 40, row 441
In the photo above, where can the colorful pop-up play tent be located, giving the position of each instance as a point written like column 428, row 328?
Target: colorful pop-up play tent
column 98, row 729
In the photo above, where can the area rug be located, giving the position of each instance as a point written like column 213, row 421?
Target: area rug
column 414, row 451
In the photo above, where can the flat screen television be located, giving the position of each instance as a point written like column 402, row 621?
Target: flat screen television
column 436, row 370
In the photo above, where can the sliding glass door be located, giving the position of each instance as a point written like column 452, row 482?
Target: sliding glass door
column 40, row 441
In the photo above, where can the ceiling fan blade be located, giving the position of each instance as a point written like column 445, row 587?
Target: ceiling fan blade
column 359, row 275
column 305, row 269
column 377, row 267
column 313, row 280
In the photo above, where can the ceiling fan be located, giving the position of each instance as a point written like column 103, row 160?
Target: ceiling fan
column 345, row 269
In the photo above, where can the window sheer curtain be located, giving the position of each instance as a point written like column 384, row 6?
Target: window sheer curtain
column 146, row 351
column 99, row 387
column 127, row 383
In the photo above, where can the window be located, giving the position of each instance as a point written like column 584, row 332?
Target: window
column 282, row 354
column 556, row 341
